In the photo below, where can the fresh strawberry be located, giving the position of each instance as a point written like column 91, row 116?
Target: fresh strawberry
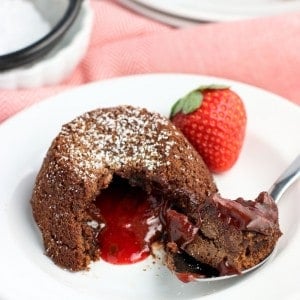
column 213, row 119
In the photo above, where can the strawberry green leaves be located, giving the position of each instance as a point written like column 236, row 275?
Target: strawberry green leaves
column 193, row 100
column 187, row 104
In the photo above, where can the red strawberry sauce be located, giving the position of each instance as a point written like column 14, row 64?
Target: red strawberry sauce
column 131, row 220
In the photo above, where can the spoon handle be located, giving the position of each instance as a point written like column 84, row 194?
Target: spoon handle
column 287, row 178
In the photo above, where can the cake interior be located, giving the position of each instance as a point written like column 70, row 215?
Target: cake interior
column 128, row 222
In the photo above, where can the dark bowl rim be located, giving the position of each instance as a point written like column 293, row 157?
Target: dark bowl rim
column 41, row 47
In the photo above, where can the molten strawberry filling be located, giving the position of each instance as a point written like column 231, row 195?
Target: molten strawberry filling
column 131, row 220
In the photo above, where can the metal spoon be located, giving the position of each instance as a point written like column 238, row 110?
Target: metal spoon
column 286, row 179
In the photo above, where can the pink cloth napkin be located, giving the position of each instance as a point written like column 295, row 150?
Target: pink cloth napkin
column 264, row 52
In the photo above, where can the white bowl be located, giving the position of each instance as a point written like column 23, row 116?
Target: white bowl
column 61, row 60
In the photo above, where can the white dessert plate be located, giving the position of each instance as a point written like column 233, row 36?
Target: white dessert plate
column 220, row 10
column 272, row 142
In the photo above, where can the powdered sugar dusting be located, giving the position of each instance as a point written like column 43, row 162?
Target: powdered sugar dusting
column 112, row 138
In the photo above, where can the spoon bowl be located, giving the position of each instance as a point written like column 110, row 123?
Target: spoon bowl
column 285, row 180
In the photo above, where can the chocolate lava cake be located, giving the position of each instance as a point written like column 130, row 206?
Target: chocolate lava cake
column 199, row 229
